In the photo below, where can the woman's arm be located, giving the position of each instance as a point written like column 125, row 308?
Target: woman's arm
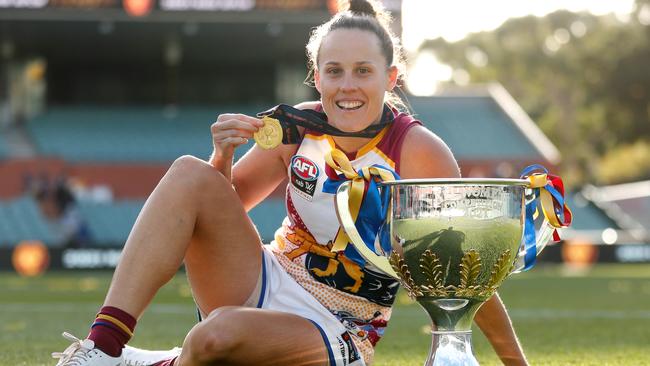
column 258, row 173
column 425, row 155
column 494, row 322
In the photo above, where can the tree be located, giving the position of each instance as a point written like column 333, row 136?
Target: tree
column 582, row 78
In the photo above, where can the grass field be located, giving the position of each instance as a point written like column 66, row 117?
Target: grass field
column 599, row 317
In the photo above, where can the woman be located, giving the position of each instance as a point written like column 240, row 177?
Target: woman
column 294, row 302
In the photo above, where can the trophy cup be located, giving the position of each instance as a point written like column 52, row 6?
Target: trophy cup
column 450, row 243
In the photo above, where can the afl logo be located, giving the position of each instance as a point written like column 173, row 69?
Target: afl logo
column 304, row 168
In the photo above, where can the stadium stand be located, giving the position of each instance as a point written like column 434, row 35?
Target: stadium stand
column 126, row 134
column 3, row 148
column 110, row 223
column 268, row 216
column 133, row 135
column 152, row 135
column 21, row 219
column 473, row 127
column 470, row 125
column 588, row 216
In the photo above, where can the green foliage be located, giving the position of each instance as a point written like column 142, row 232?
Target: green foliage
column 583, row 78
column 625, row 163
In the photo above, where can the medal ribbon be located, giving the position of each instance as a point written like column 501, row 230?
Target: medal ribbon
column 548, row 189
column 291, row 117
column 367, row 204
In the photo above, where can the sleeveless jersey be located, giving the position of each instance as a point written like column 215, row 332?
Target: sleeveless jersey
column 358, row 296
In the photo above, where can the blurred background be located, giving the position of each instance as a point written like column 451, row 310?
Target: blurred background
column 98, row 97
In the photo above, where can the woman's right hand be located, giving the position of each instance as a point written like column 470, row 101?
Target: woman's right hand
column 229, row 132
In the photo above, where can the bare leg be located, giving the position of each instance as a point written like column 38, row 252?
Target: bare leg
column 245, row 336
column 193, row 214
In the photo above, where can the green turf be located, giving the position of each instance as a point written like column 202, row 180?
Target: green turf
column 563, row 318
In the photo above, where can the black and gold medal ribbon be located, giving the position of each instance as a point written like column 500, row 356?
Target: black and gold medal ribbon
column 289, row 118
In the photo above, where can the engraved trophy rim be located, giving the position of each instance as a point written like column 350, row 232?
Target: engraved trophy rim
column 459, row 181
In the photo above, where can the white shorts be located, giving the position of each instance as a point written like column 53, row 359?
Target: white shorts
column 281, row 292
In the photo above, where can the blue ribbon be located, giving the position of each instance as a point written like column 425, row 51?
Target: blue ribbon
column 530, row 238
column 372, row 213
column 549, row 191
column 529, row 234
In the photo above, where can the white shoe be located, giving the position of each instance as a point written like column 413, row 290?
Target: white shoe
column 141, row 357
column 82, row 353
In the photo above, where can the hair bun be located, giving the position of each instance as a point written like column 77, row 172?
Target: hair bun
column 362, row 7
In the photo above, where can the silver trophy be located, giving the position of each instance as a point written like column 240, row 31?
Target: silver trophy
column 452, row 243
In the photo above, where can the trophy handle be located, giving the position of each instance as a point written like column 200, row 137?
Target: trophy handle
column 345, row 218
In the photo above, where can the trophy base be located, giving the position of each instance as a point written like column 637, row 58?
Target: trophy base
column 449, row 348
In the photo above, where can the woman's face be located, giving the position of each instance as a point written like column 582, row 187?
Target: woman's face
column 352, row 77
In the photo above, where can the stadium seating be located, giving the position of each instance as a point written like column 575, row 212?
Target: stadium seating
column 267, row 217
column 3, row 148
column 126, row 134
column 586, row 215
column 21, row 219
column 469, row 125
column 143, row 135
column 110, row 223
column 140, row 135
column 472, row 125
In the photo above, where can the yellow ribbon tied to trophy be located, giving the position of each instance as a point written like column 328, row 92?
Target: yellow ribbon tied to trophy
column 365, row 200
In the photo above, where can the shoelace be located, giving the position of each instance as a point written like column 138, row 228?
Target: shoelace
column 75, row 353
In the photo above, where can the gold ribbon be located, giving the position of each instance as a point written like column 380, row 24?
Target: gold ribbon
column 546, row 199
column 337, row 160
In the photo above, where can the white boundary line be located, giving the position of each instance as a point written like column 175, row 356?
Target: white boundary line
column 542, row 313
column 59, row 307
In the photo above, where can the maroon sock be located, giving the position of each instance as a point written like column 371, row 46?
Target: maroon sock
column 111, row 330
column 169, row 362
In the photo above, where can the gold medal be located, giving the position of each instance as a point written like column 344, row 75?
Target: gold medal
column 269, row 135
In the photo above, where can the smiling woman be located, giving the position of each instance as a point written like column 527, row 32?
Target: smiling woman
column 352, row 85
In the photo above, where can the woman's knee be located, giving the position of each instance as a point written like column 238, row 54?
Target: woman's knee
column 215, row 338
column 196, row 173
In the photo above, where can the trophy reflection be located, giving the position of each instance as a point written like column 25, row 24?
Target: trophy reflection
column 451, row 243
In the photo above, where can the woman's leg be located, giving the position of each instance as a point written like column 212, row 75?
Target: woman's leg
column 193, row 214
column 248, row 336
